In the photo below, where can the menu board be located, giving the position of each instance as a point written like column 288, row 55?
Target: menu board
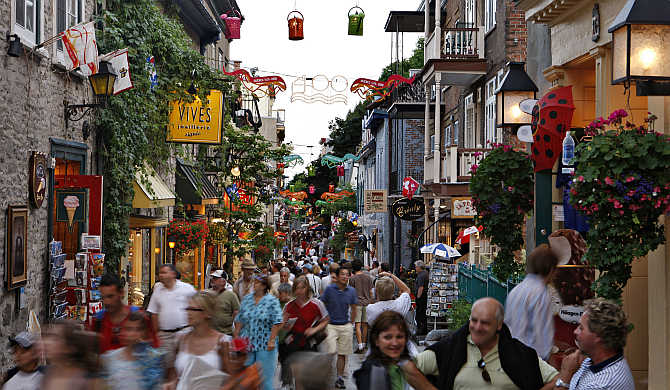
column 442, row 288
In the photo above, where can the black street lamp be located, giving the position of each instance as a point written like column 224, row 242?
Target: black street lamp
column 102, row 84
column 641, row 47
column 515, row 87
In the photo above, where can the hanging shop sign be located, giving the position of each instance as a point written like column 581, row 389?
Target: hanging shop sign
column 263, row 86
column 571, row 313
column 408, row 209
column 38, row 180
column 409, row 187
column 378, row 90
column 462, row 208
column 195, row 122
column 375, row 201
column 71, row 206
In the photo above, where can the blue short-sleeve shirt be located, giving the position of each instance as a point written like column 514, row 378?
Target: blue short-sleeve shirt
column 337, row 303
column 257, row 319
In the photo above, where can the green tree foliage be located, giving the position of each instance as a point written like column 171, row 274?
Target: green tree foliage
column 345, row 134
column 402, row 67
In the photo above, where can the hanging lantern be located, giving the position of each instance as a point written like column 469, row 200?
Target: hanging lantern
column 340, row 171
column 331, row 188
column 295, row 25
column 310, row 171
column 233, row 23
column 356, row 21
column 312, row 189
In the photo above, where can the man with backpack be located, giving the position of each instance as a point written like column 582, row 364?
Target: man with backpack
column 109, row 321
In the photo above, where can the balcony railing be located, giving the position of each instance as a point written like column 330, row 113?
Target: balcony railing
column 463, row 43
column 467, row 158
column 428, row 170
column 415, row 93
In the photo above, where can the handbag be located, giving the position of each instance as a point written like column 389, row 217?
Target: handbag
column 318, row 337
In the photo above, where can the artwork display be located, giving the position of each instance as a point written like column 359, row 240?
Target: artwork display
column 16, row 247
column 442, row 288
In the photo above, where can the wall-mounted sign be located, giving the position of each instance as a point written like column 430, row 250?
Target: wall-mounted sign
column 71, row 206
column 571, row 314
column 37, row 179
column 462, row 208
column 374, row 201
column 408, row 209
column 197, row 123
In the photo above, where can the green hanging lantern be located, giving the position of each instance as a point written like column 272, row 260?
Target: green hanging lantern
column 356, row 21
column 310, row 171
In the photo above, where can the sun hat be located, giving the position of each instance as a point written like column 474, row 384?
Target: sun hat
column 248, row 264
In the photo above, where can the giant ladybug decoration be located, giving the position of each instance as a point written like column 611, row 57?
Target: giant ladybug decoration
column 552, row 118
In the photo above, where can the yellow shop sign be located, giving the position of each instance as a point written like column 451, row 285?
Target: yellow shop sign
column 197, row 123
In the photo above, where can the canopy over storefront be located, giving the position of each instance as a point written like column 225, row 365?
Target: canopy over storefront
column 151, row 191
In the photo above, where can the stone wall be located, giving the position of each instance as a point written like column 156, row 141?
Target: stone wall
column 32, row 92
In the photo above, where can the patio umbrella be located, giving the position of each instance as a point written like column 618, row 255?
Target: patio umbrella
column 464, row 236
column 440, row 250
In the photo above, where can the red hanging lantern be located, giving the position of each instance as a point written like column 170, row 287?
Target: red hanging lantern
column 295, row 25
column 331, row 188
column 312, row 189
column 233, row 23
column 340, row 171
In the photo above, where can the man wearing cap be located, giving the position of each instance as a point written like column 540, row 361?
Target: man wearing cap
column 313, row 280
column 27, row 375
column 227, row 304
column 245, row 284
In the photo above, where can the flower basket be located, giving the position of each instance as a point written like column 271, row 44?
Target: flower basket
column 187, row 235
column 621, row 183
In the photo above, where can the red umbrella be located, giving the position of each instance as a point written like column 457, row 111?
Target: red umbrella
column 552, row 117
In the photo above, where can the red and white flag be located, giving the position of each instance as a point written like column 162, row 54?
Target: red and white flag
column 409, row 187
column 81, row 48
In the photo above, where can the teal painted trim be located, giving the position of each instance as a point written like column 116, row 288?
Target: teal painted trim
column 543, row 204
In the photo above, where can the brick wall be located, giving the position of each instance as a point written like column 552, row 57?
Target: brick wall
column 413, row 156
column 516, row 32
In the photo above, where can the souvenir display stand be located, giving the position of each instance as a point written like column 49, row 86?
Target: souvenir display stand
column 74, row 284
column 442, row 291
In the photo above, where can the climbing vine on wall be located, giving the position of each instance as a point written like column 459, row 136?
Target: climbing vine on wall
column 133, row 125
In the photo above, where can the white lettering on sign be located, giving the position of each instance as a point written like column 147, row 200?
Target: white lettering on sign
column 571, row 314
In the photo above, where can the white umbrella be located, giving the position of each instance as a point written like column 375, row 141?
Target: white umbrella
column 441, row 250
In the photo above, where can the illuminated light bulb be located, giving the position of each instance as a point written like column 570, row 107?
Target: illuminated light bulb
column 171, row 244
column 235, row 171
column 516, row 111
column 157, row 250
column 647, row 58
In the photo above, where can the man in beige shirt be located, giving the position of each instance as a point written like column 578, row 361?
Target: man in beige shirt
column 483, row 354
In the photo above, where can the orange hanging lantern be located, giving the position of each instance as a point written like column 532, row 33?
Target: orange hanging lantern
column 295, row 25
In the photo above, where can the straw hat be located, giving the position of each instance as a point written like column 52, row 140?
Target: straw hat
column 248, row 264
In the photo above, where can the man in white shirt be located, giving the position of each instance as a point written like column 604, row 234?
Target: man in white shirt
column 168, row 308
column 27, row 375
column 313, row 280
column 326, row 280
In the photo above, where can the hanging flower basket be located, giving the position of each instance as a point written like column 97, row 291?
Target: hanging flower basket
column 187, row 235
column 502, row 193
column 621, row 183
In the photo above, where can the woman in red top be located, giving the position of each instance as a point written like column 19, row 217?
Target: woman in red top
column 304, row 317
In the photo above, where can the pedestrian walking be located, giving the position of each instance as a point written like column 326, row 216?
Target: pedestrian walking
column 362, row 283
column 284, row 294
column 202, row 344
column 385, row 289
column 305, row 318
column 599, row 362
column 284, row 277
column 227, row 304
column 339, row 299
column 72, row 361
column 389, row 359
column 168, row 309
column 332, row 275
column 529, row 314
column 109, row 322
column 245, row 284
column 27, row 374
column 259, row 320
column 313, row 280
column 136, row 365
column 421, row 295
column 274, row 276
column 483, row 354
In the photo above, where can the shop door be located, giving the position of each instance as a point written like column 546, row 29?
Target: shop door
column 77, row 208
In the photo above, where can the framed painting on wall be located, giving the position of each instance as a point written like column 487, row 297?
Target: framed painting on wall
column 16, row 246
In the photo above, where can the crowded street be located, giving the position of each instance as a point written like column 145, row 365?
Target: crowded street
column 311, row 195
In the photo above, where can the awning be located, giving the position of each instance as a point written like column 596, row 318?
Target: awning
column 151, row 191
column 195, row 15
column 192, row 185
column 146, row 222
column 409, row 21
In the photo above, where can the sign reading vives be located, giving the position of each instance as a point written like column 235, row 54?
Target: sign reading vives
column 197, row 123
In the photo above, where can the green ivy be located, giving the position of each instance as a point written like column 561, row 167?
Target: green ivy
column 622, row 184
column 133, row 125
column 502, row 193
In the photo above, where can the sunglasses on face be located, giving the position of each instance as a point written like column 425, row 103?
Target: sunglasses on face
column 194, row 309
column 485, row 374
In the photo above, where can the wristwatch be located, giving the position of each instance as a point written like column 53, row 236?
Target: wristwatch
column 560, row 383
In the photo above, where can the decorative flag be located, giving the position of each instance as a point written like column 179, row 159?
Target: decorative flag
column 81, row 48
column 378, row 90
column 409, row 187
column 153, row 75
column 464, row 235
column 267, row 85
column 119, row 60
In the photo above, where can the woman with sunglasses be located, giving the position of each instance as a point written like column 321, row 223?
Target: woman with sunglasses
column 202, row 342
column 259, row 320
column 388, row 366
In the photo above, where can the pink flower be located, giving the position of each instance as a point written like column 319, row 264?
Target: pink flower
column 580, row 179
column 630, row 178
column 477, row 154
column 510, row 188
column 473, row 168
column 617, row 204
column 609, row 181
column 617, row 115
column 594, row 207
column 507, row 148
column 620, row 212
column 631, row 193
column 657, row 189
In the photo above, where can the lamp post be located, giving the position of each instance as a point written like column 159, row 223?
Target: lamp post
column 515, row 87
column 102, row 84
column 641, row 47
column 171, row 245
